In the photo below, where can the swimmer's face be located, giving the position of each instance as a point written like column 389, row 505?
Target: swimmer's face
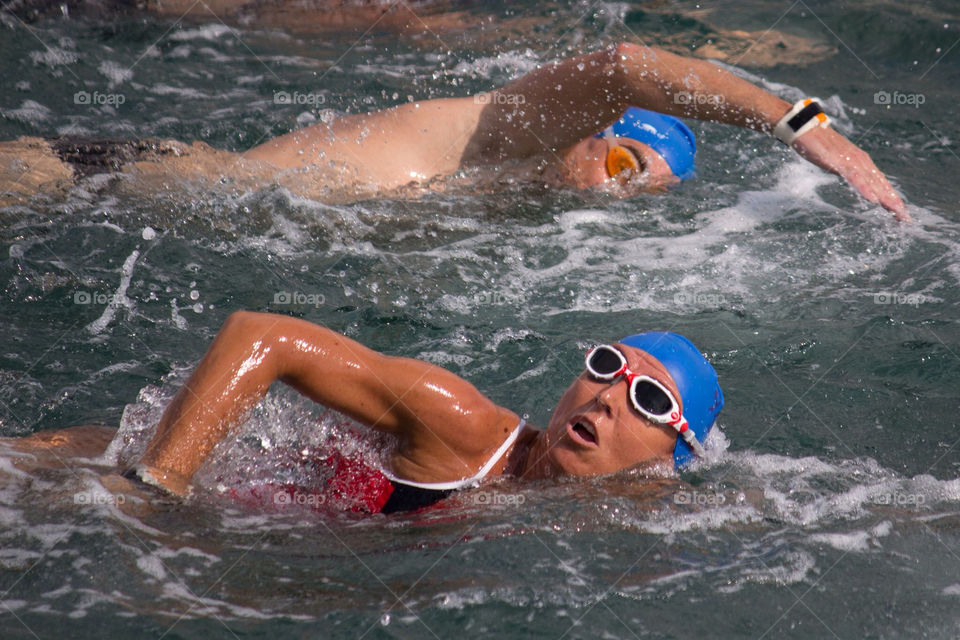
column 595, row 429
column 586, row 166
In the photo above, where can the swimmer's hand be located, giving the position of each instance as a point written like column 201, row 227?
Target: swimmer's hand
column 829, row 150
column 169, row 482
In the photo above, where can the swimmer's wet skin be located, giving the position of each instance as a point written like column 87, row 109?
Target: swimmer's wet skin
column 550, row 117
column 646, row 400
column 548, row 136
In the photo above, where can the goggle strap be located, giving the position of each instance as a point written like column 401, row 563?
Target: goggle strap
column 691, row 439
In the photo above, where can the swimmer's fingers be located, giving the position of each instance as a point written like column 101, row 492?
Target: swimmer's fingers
column 831, row 151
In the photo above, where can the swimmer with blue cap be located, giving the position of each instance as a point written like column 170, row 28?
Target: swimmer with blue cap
column 649, row 399
column 642, row 148
column 652, row 396
column 667, row 136
column 568, row 123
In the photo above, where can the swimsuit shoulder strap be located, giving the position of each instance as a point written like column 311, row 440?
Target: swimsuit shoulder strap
column 475, row 478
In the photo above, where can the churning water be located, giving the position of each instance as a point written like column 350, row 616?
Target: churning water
column 830, row 505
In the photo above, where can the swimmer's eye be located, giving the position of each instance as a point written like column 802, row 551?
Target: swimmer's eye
column 641, row 165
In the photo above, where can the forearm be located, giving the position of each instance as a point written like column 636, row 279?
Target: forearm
column 233, row 376
column 661, row 81
column 562, row 103
column 681, row 86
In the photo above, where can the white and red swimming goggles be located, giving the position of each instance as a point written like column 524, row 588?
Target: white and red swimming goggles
column 647, row 395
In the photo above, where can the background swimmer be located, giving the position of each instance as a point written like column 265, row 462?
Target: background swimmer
column 540, row 127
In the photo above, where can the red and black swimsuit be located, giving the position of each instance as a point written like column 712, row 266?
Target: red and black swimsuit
column 354, row 485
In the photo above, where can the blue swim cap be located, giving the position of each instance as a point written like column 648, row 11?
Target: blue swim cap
column 695, row 378
column 666, row 135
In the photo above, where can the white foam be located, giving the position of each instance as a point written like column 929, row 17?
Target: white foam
column 512, row 64
column 165, row 553
column 116, row 73
column 18, row 559
column 29, row 112
column 443, row 358
column 206, row 32
column 53, row 57
column 461, row 599
column 119, row 298
column 203, row 607
column 166, row 90
column 718, row 517
column 152, row 566
column 795, row 568
column 849, row 542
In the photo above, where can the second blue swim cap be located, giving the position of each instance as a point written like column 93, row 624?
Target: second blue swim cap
column 666, row 135
column 695, row 378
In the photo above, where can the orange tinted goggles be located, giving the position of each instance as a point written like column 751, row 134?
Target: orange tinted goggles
column 620, row 159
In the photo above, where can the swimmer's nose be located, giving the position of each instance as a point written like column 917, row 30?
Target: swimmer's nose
column 605, row 398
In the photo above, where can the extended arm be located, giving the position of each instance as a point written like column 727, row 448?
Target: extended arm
column 563, row 103
column 550, row 109
column 443, row 422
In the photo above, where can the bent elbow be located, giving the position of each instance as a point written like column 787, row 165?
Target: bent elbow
column 239, row 321
column 249, row 327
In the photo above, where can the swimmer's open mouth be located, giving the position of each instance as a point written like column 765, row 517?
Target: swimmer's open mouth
column 583, row 431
